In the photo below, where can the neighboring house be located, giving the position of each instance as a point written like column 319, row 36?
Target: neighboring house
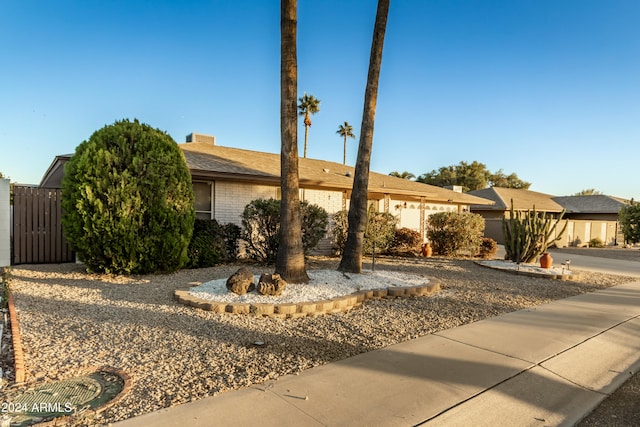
column 587, row 217
column 590, row 217
column 226, row 179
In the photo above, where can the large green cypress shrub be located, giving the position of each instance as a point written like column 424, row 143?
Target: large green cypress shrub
column 128, row 201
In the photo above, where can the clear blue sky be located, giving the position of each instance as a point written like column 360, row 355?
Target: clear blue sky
column 548, row 89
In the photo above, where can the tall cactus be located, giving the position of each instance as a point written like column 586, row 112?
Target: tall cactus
column 528, row 234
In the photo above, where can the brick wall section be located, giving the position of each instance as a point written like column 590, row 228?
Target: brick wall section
column 232, row 197
column 18, row 354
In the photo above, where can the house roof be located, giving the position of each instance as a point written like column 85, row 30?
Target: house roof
column 591, row 204
column 522, row 200
column 209, row 161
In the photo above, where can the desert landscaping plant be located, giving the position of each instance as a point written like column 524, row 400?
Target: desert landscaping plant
column 127, row 200
column 261, row 225
column 208, row 246
column 488, row 248
column 378, row 235
column 455, row 234
column 405, row 240
column 380, row 229
column 596, row 243
column 528, row 234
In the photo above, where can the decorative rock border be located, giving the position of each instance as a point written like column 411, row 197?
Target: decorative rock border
column 18, row 354
column 573, row 276
column 309, row 308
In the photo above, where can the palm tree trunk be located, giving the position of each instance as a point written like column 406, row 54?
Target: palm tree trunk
column 290, row 257
column 307, row 119
column 344, row 157
column 352, row 256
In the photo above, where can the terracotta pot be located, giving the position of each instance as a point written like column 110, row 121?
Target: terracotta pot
column 546, row 261
column 427, row 251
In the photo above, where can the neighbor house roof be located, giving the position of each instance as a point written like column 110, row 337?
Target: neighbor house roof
column 522, row 200
column 209, row 161
column 599, row 203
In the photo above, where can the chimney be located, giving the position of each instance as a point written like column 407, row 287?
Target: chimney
column 200, row 137
column 456, row 188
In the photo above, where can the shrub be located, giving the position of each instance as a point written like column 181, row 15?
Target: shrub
column 596, row 243
column 339, row 231
column 261, row 225
column 488, row 248
column 231, row 235
column 314, row 225
column 212, row 243
column 453, row 233
column 127, row 201
column 207, row 247
column 406, row 240
column 380, row 230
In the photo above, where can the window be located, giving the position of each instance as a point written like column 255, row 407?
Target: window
column 203, row 192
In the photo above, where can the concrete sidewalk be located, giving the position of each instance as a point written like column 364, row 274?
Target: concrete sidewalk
column 544, row 366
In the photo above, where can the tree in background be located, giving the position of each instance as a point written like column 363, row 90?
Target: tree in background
column 308, row 105
column 290, row 256
column 589, row 192
column 403, row 175
column 499, row 179
column 472, row 176
column 127, row 201
column 630, row 222
column 352, row 256
column 346, row 131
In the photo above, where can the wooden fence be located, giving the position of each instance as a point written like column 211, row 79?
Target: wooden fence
column 37, row 226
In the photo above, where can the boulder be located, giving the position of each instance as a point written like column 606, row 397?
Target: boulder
column 271, row 284
column 241, row 282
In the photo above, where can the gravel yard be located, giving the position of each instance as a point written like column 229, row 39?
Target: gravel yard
column 175, row 354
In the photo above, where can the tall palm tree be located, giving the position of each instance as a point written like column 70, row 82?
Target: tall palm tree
column 309, row 105
column 290, row 256
column 403, row 175
column 345, row 131
column 352, row 255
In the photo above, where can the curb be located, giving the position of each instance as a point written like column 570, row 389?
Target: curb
column 574, row 276
column 18, row 354
column 307, row 308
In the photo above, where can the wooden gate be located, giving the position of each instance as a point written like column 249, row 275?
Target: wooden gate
column 37, row 226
